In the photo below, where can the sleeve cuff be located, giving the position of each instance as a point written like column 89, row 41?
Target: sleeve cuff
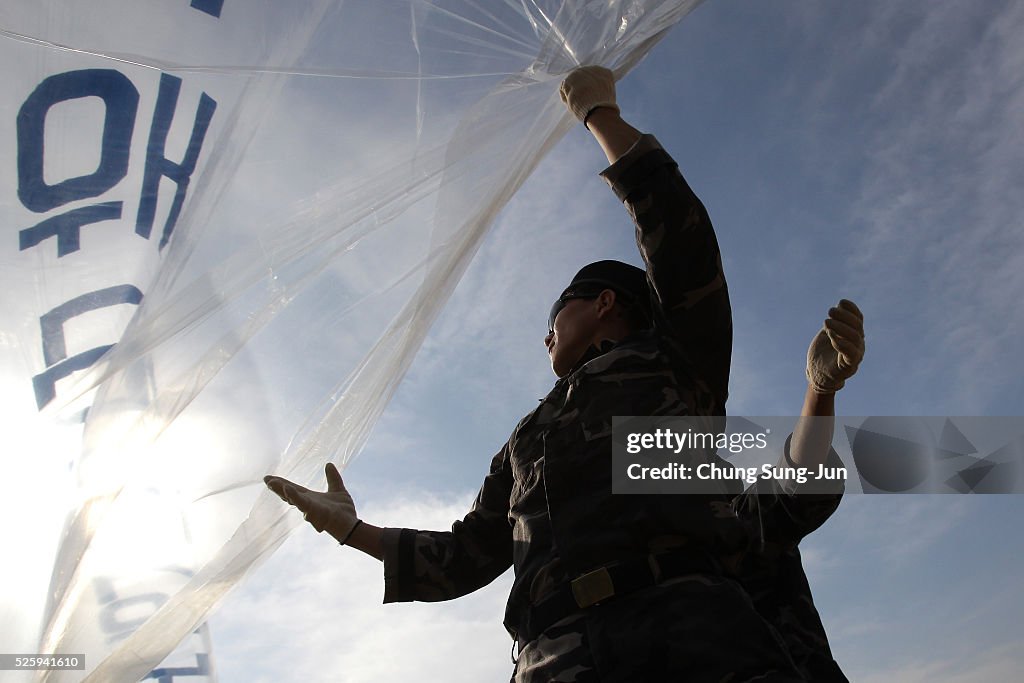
column 398, row 547
column 645, row 157
column 821, row 489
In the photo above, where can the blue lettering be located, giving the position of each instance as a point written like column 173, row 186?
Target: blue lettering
column 121, row 100
column 167, row 674
column 157, row 164
column 55, row 352
column 45, row 384
column 66, row 227
column 211, row 7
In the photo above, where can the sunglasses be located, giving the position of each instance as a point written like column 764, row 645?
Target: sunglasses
column 561, row 302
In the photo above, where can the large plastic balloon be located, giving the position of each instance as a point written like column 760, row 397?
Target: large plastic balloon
column 228, row 227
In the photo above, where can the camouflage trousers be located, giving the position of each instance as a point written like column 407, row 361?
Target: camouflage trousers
column 693, row 628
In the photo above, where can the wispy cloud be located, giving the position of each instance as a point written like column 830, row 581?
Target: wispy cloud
column 906, row 585
column 937, row 216
column 1001, row 663
column 913, row 523
column 538, row 243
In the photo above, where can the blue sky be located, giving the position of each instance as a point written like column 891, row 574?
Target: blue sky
column 866, row 150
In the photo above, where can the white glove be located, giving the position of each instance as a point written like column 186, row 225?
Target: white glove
column 837, row 350
column 586, row 88
column 332, row 511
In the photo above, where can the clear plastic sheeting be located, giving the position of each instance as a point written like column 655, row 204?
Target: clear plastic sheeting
column 228, row 228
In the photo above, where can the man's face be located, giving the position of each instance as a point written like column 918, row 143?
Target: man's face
column 572, row 334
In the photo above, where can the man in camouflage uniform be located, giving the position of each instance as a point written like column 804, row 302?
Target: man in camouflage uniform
column 639, row 587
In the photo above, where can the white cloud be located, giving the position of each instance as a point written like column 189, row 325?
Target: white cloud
column 313, row 613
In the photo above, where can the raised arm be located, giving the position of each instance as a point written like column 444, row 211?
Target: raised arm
column 778, row 512
column 690, row 300
column 833, row 357
column 611, row 131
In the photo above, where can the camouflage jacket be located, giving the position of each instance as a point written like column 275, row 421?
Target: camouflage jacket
column 546, row 506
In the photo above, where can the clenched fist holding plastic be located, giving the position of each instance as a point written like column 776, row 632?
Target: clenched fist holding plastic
column 332, row 511
column 837, row 350
column 587, row 88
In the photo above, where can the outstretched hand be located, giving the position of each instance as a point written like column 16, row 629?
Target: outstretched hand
column 332, row 511
column 837, row 350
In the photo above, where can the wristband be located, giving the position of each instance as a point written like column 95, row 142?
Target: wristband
column 604, row 105
column 351, row 531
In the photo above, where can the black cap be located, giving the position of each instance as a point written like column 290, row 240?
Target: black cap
column 629, row 282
